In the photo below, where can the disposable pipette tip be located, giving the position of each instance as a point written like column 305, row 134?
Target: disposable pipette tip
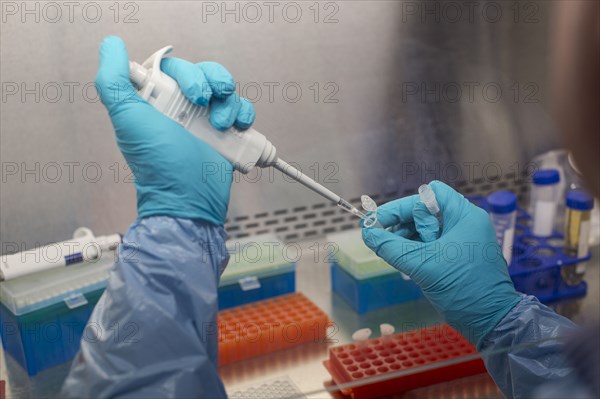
column 295, row 174
column 345, row 205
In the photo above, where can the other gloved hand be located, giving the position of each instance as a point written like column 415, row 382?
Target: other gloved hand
column 176, row 174
column 462, row 273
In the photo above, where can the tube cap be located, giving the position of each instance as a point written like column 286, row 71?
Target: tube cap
column 502, row 202
column 361, row 335
column 546, row 176
column 580, row 200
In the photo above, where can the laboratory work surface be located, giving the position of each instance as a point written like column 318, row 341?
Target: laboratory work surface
column 306, row 370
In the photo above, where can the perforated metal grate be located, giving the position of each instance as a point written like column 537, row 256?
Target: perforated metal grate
column 282, row 387
column 317, row 220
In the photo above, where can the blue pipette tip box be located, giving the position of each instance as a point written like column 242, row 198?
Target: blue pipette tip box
column 257, row 270
column 43, row 315
column 364, row 280
column 536, row 262
column 372, row 293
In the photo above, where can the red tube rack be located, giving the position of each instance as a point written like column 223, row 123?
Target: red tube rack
column 415, row 352
column 267, row 326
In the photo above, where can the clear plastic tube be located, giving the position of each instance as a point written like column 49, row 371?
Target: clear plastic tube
column 361, row 337
column 544, row 201
column 504, row 224
column 427, row 196
column 386, row 331
column 503, row 213
column 370, row 207
column 579, row 207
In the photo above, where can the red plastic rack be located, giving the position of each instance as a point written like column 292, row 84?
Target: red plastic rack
column 267, row 326
column 414, row 352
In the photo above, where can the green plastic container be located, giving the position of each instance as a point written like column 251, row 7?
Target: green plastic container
column 257, row 270
column 362, row 279
column 351, row 253
column 43, row 316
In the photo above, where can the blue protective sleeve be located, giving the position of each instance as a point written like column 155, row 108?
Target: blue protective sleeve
column 153, row 333
column 537, row 337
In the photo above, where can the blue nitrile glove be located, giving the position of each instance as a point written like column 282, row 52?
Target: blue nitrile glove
column 462, row 273
column 176, row 174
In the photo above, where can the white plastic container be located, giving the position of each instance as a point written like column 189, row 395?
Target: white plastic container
column 503, row 212
column 544, row 201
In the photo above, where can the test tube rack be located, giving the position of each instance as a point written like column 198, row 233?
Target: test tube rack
column 267, row 326
column 536, row 262
column 403, row 362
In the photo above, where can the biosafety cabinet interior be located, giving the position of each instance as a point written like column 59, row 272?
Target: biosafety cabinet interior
column 364, row 97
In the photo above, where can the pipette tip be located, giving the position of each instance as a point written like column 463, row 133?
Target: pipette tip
column 348, row 207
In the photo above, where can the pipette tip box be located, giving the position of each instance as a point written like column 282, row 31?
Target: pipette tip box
column 43, row 315
column 362, row 279
column 536, row 262
column 257, row 270
column 402, row 362
column 267, row 326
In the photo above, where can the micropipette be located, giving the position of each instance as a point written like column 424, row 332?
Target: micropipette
column 83, row 247
column 244, row 149
column 301, row 178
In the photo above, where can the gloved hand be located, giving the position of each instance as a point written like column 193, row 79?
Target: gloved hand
column 462, row 273
column 176, row 174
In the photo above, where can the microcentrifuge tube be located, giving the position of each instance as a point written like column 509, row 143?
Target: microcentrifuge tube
column 427, row 196
column 370, row 207
column 386, row 329
column 367, row 203
column 361, row 336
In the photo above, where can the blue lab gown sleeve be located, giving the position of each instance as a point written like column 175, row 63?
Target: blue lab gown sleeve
column 525, row 351
column 153, row 334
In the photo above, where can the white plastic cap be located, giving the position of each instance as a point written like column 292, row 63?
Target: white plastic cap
column 368, row 204
column 362, row 335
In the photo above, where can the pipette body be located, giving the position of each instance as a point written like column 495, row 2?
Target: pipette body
column 83, row 247
column 244, row 149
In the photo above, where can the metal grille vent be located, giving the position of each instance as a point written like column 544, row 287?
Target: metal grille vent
column 317, row 220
